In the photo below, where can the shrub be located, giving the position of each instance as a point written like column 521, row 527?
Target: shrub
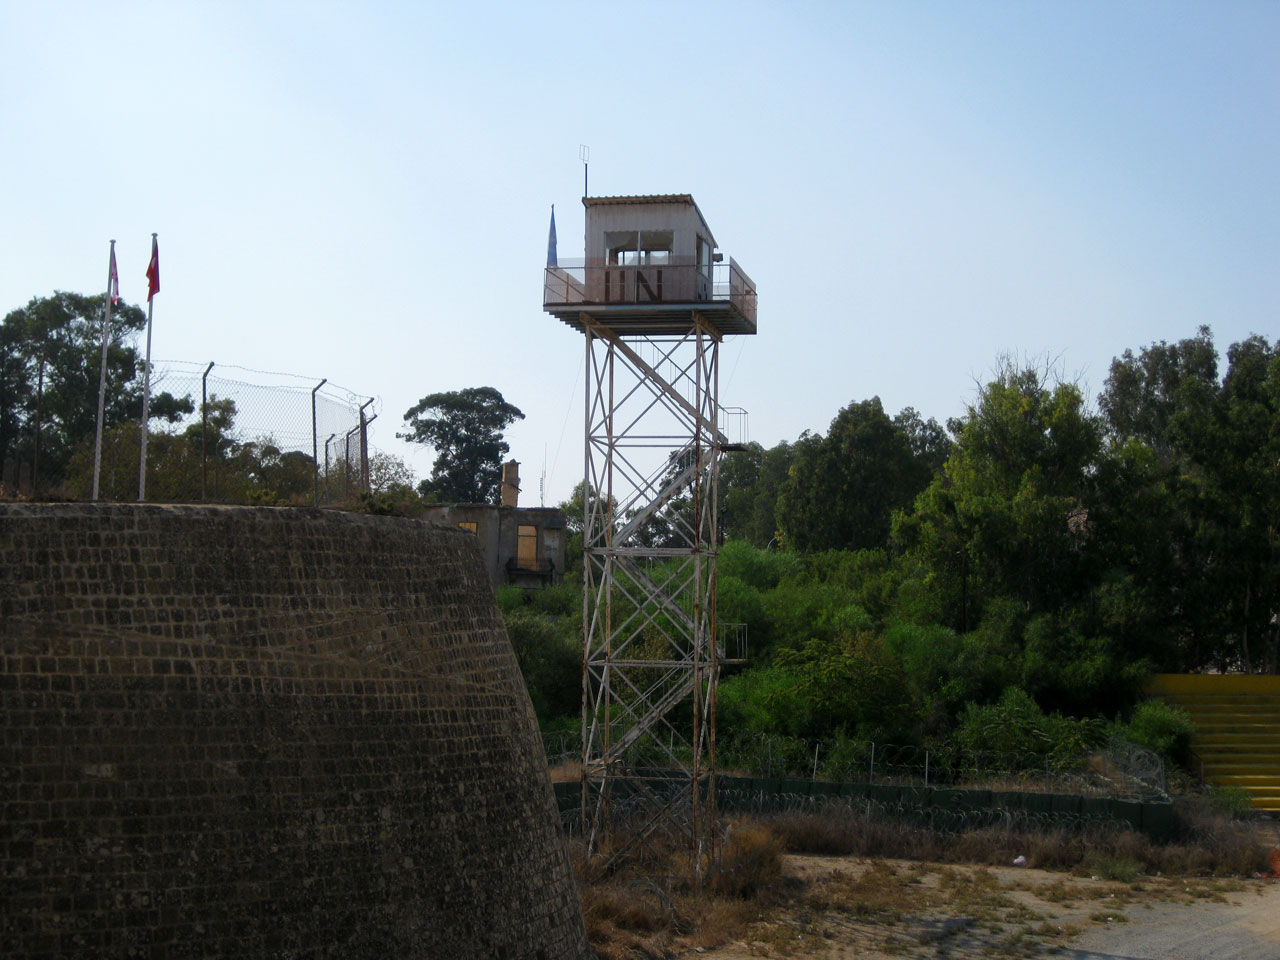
column 1162, row 727
column 397, row 500
column 798, row 612
column 750, row 859
column 927, row 652
column 550, row 659
column 510, row 599
column 1016, row 726
column 854, row 683
column 739, row 602
column 760, row 569
column 564, row 600
column 756, row 701
column 1233, row 801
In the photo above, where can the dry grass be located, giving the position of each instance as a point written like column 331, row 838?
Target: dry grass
column 917, row 890
column 657, row 903
column 566, row 771
column 1206, row 843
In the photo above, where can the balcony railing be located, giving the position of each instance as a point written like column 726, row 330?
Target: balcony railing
column 594, row 282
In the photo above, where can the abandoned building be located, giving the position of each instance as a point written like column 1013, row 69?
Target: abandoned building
column 522, row 546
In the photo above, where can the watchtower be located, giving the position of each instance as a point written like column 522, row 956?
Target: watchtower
column 654, row 300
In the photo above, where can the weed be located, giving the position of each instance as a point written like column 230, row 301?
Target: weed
column 1108, row 916
column 1112, row 867
column 1233, row 801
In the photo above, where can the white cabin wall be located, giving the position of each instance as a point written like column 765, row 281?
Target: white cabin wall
column 682, row 220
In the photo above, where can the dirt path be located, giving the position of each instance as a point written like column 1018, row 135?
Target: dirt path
column 837, row 908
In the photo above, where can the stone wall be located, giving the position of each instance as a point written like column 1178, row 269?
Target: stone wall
column 251, row 733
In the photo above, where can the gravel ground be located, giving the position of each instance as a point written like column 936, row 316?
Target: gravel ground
column 1246, row 928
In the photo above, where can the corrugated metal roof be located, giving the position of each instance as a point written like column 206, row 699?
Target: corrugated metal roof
column 651, row 198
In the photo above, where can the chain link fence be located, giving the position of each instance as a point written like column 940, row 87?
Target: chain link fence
column 229, row 434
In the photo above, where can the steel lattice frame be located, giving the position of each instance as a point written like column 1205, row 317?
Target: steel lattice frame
column 651, row 471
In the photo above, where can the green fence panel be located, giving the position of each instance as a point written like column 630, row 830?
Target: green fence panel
column 799, row 788
column 1066, row 803
column 947, row 806
column 1011, row 800
column 944, row 798
column 960, row 800
column 1037, row 802
column 916, row 797
column 885, row 793
column 1127, row 811
column 568, row 796
column 1096, row 808
column 1157, row 820
column 977, row 799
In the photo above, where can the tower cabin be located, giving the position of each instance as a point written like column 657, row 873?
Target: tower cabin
column 651, row 268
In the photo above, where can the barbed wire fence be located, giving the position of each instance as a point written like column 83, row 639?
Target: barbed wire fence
column 1118, row 769
column 246, row 435
column 631, row 815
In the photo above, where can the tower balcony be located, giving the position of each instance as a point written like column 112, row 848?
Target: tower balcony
column 652, row 297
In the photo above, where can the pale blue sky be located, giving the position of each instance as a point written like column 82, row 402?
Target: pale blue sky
column 361, row 191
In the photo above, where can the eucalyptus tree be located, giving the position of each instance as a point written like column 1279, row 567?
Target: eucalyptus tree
column 465, row 428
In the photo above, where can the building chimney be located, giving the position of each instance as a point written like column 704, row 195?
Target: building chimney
column 511, row 483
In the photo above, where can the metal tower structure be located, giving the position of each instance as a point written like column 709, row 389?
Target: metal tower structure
column 654, row 302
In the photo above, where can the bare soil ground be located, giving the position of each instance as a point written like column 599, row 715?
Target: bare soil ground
column 829, row 908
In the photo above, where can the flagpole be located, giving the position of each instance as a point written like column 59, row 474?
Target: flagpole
column 153, row 287
column 112, row 291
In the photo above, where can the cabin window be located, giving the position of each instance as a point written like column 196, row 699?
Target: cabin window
column 631, row 248
column 527, row 546
column 704, row 257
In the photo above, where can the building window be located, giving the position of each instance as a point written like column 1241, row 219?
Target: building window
column 527, row 547
column 468, row 525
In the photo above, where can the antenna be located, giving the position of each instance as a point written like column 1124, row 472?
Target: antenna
column 584, row 154
column 542, row 480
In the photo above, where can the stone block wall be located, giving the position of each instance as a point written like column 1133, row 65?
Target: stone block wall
column 256, row 732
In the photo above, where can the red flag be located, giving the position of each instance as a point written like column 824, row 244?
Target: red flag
column 113, row 279
column 153, row 270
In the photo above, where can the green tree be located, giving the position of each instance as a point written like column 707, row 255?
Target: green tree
column 573, row 510
column 13, row 392
column 1245, row 469
column 236, row 471
column 749, row 483
column 465, row 428
column 1010, row 513
column 387, row 471
column 842, row 489
column 1194, row 497
column 1156, row 396
column 927, row 438
column 52, row 353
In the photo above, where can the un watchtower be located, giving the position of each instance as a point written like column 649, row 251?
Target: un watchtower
column 654, row 299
